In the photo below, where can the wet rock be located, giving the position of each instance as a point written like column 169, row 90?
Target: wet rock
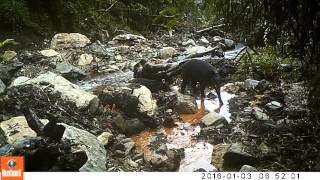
column 69, row 40
column 69, row 71
column 129, row 38
column 214, row 119
column 195, row 50
column 204, row 40
column 167, row 52
column 82, row 140
column 128, row 147
column 185, row 104
column 2, row 87
column 274, row 105
column 189, row 42
column 85, row 59
column 68, row 91
column 8, row 55
column 16, row 129
column 259, row 114
column 128, row 126
column 250, row 84
column 168, row 162
column 49, row 53
column 100, row 50
column 230, row 44
column 105, row 138
column 247, row 168
column 296, row 100
column 237, row 156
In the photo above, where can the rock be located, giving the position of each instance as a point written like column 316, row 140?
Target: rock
column 146, row 103
column 296, row 100
column 247, row 168
column 217, row 39
column 185, row 104
column 118, row 57
column 128, row 147
column 204, row 40
column 195, row 50
column 2, row 87
column 167, row 52
column 49, row 53
column 274, row 105
column 230, row 44
column 250, row 84
column 85, row 59
column 99, row 49
column 19, row 80
column 105, row 138
column 189, row 42
column 132, row 163
column 129, row 38
column 68, row 91
column 259, row 114
column 264, row 149
column 69, row 40
column 237, row 156
column 168, row 162
column 218, row 152
column 16, row 129
column 82, row 140
column 214, row 119
column 8, row 55
column 130, row 126
column 69, row 71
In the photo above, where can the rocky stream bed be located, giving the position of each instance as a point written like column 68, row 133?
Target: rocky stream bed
column 78, row 105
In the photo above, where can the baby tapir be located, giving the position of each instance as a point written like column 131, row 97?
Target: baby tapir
column 200, row 71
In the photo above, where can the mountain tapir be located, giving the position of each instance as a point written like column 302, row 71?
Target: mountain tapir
column 195, row 71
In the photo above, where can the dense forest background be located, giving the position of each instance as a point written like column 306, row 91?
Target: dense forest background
column 287, row 28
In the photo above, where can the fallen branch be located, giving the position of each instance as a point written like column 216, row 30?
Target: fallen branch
column 209, row 28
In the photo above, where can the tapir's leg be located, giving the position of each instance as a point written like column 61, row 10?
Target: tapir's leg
column 219, row 95
column 184, row 84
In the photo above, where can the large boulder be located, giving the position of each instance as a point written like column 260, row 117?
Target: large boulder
column 69, row 40
column 69, row 92
column 16, row 129
column 82, row 140
column 131, row 99
column 185, row 104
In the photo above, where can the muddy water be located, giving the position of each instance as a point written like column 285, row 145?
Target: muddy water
column 198, row 154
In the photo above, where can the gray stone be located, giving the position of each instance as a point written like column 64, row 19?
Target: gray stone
column 69, row 71
column 9, row 55
column 214, row 119
column 167, row 52
column 185, row 104
column 68, row 91
column 274, row 105
column 230, row 44
column 247, row 168
column 237, row 155
column 204, row 40
column 259, row 114
column 146, row 103
column 105, row 138
column 189, row 42
column 82, row 140
column 19, row 80
column 2, row 87
column 128, row 147
column 128, row 126
column 69, row 40
column 16, row 129
column 217, row 39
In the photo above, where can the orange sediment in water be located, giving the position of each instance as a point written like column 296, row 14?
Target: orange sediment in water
column 194, row 118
